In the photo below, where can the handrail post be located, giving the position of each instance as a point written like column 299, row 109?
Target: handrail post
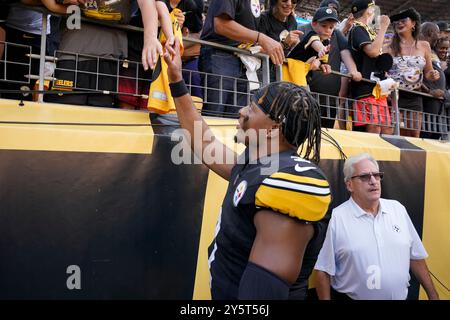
column 42, row 57
column 394, row 97
column 278, row 72
column 265, row 70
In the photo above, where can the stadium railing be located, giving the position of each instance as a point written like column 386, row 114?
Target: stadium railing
column 344, row 108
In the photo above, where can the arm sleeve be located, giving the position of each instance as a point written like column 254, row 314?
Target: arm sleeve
column 227, row 7
column 311, row 40
column 303, row 196
column 360, row 38
column 341, row 40
column 326, row 260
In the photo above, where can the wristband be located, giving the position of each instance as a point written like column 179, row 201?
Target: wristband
column 178, row 89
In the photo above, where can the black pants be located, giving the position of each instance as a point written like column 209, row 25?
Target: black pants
column 336, row 295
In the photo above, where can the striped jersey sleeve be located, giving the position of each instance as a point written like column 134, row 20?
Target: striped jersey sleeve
column 303, row 195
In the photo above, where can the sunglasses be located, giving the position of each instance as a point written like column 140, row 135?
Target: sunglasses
column 367, row 176
column 403, row 21
column 294, row 2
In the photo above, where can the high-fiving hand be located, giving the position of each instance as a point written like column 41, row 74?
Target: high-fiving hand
column 172, row 57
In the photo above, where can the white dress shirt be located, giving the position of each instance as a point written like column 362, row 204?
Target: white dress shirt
column 369, row 257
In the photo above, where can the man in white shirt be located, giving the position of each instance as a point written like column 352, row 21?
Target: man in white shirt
column 371, row 243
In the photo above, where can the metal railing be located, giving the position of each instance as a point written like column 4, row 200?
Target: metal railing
column 334, row 108
column 11, row 59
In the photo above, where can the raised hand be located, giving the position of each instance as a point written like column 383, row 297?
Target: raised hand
column 151, row 51
column 273, row 48
column 174, row 63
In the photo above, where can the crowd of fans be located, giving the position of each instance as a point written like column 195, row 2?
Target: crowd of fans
column 357, row 45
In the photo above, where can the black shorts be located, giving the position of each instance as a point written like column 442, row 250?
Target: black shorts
column 90, row 76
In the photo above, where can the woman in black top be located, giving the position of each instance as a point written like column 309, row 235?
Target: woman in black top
column 279, row 24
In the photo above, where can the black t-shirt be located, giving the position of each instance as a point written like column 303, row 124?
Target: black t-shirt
column 290, row 188
column 359, row 36
column 193, row 13
column 303, row 50
column 272, row 27
column 328, row 84
column 244, row 12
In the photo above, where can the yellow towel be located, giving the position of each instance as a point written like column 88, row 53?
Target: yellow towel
column 160, row 99
column 295, row 71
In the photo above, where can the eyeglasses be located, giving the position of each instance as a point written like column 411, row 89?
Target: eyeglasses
column 365, row 177
column 293, row 2
column 403, row 21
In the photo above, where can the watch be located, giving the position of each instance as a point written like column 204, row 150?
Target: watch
column 283, row 36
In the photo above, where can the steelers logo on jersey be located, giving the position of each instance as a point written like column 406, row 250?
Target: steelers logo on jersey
column 239, row 192
column 256, row 9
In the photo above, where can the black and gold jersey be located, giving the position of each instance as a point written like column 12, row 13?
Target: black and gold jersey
column 284, row 183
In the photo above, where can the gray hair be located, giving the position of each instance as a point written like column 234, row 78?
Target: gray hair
column 349, row 169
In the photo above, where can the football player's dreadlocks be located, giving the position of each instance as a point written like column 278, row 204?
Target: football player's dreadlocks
column 298, row 113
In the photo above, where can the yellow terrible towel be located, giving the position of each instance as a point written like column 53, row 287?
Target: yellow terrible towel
column 295, row 71
column 160, row 99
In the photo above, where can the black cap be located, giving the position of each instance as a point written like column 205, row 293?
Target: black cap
column 443, row 26
column 326, row 3
column 408, row 13
column 359, row 5
column 323, row 14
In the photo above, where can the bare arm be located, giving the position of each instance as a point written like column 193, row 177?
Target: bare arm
column 189, row 44
column 229, row 28
column 152, row 47
column 293, row 38
column 420, row 270
column 348, row 24
column 51, row 5
column 320, row 48
column 164, row 19
column 430, row 73
column 323, row 285
column 373, row 49
column 346, row 56
column 200, row 134
column 280, row 244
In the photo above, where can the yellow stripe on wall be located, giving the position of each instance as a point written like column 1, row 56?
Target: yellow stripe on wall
column 215, row 192
column 436, row 218
column 73, row 128
column 353, row 143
